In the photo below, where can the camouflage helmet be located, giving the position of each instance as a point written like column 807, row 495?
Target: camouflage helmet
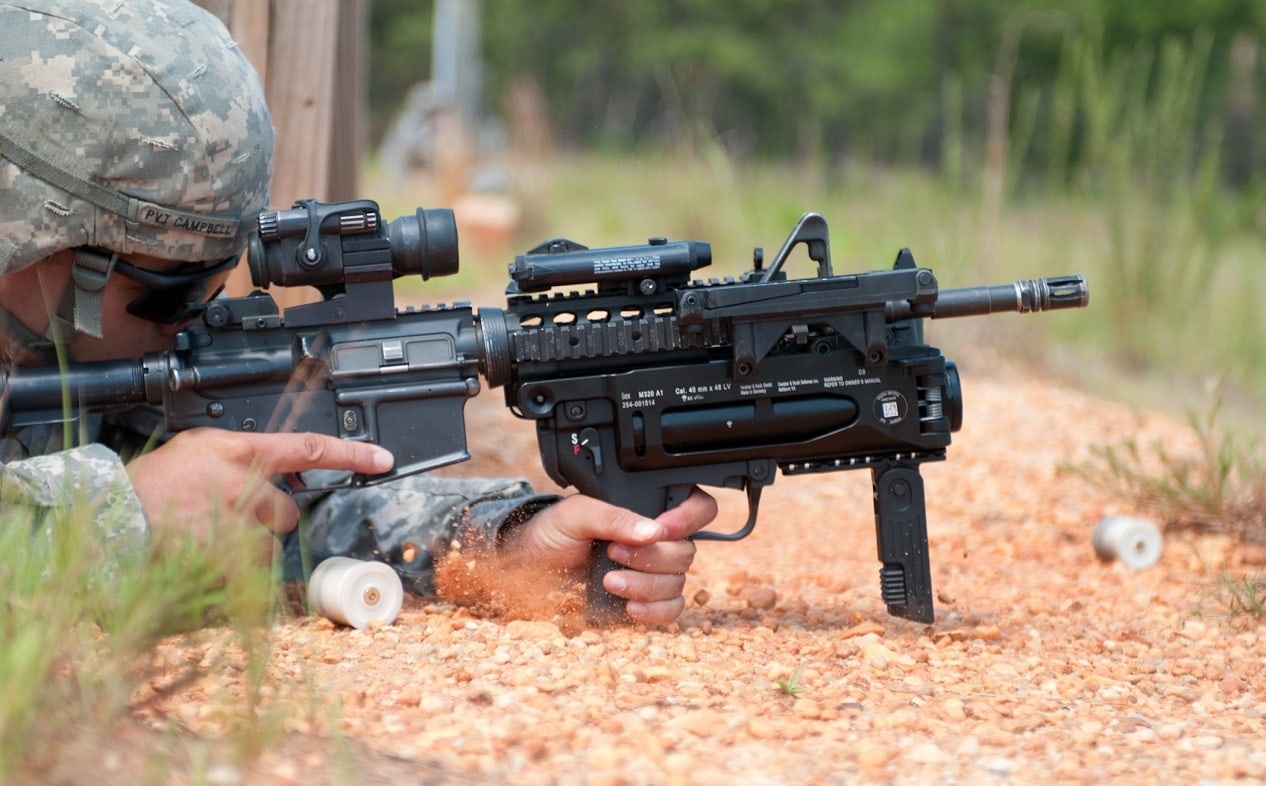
column 136, row 126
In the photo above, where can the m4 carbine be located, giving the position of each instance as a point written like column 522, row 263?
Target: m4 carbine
column 642, row 381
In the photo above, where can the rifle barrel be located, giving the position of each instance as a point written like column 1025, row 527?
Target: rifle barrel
column 1023, row 296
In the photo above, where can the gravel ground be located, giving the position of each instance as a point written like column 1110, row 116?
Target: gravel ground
column 1044, row 664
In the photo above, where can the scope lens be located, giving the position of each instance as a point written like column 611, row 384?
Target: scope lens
column 424, row 244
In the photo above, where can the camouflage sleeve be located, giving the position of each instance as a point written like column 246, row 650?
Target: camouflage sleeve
column 410, row 523
column 89, row 481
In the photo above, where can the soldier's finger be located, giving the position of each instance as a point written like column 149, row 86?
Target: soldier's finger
column 644, row 587
column 275, row 509
column 692, row 515
column 284, row 453
column 655, row 613
column 581, row 519
column 671, row 556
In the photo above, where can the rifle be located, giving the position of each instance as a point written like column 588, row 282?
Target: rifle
column 643, row 384
column 350, row 365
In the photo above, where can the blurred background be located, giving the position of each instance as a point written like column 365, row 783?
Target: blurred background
column 995, row 139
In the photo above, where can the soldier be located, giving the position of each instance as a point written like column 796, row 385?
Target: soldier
column 135, row 150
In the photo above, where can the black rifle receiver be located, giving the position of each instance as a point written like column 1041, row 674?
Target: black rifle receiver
column 647, row 384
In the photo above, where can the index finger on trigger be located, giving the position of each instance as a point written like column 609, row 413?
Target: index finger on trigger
column 300, row 452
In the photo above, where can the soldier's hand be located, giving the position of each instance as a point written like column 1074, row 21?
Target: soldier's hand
column 655, row 553
column 205, row 477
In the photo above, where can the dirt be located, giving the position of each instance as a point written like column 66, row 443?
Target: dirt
column 1044, row 663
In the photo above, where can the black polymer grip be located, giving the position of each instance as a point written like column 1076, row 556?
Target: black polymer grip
column 579, row 448
column 601, row 607
column 901, row 534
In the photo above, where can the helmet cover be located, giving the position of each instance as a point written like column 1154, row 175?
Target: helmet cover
column 133, row 125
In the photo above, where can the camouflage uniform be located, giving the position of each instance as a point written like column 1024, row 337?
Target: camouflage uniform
column 431, row 513
column 380, row 522
column 34, row 489
column 138, row 127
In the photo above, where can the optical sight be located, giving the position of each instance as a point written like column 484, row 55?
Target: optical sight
column 328, row 245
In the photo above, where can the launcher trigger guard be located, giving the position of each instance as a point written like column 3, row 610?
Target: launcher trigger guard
column 753, row 504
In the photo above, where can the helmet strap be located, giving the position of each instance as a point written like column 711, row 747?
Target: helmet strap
column 80, row 308
column 82, row 302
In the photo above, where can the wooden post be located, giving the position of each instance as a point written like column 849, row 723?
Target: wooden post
column 308, row 56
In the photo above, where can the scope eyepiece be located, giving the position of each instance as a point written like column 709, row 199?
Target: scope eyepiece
column 328, row 244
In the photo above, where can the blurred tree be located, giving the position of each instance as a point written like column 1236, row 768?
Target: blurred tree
column 400, row 56
column 898, row 80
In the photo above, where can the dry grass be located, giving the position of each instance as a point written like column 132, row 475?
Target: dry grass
column 1219, row 486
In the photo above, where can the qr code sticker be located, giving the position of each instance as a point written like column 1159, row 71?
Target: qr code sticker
column 890, row 407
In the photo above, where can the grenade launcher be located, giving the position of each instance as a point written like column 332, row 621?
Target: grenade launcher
column 647, row 383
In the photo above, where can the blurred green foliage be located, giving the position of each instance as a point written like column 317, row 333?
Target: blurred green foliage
column 901, row 81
